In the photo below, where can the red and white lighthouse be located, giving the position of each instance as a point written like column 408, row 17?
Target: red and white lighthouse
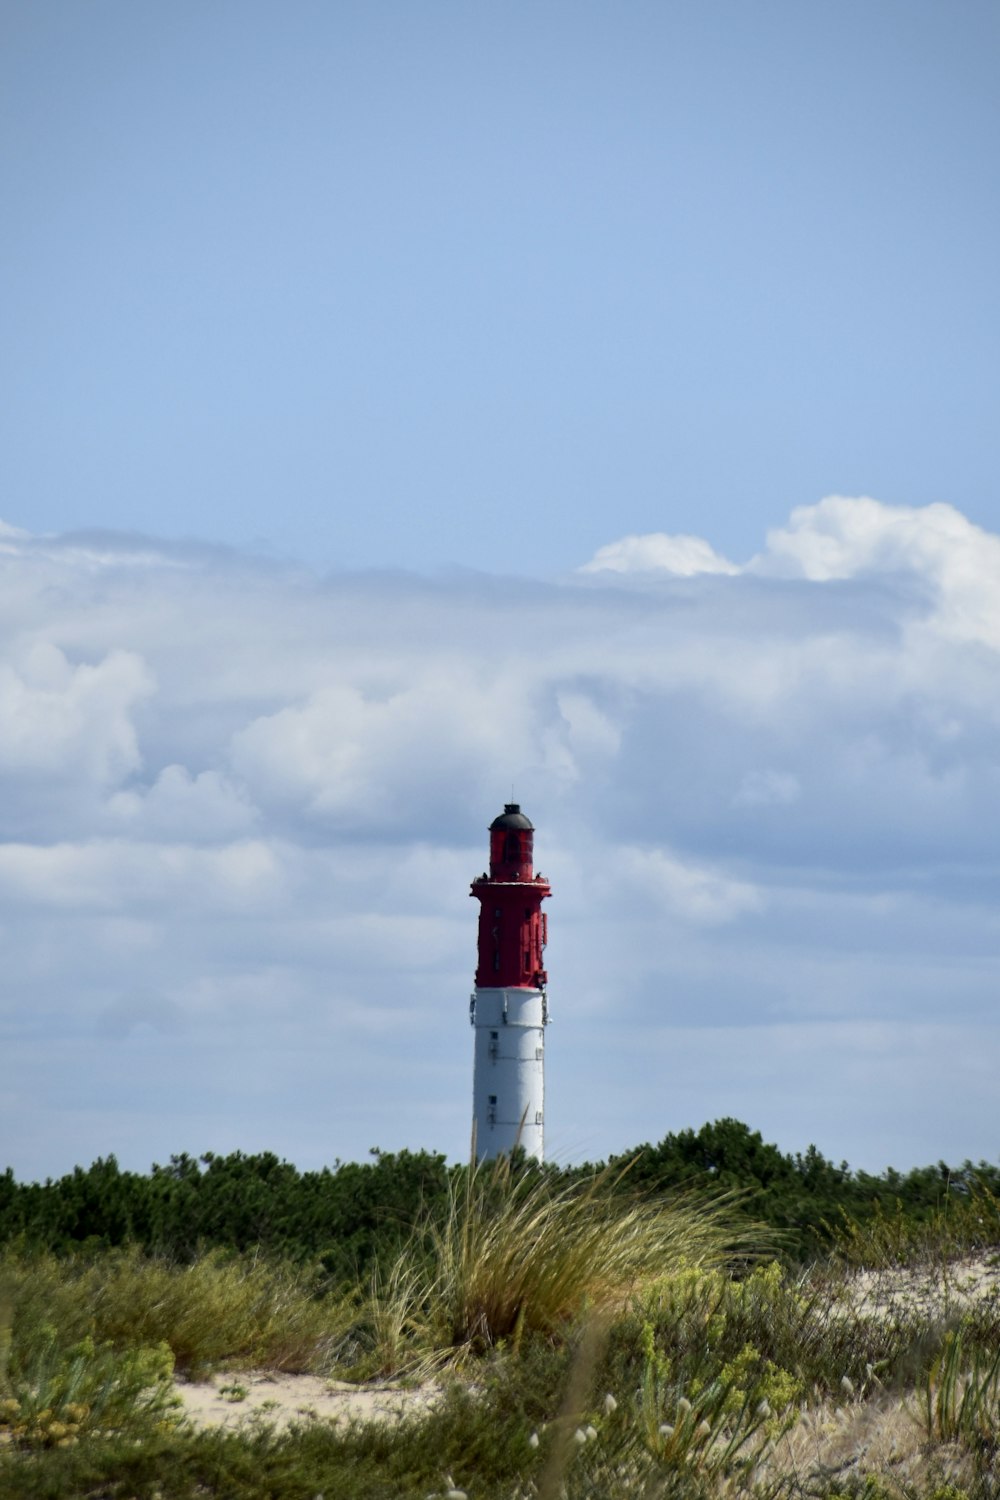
column 509, row 1009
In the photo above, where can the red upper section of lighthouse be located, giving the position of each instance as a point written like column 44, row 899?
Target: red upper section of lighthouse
column 512, row 927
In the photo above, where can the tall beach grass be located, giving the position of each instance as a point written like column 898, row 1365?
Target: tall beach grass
column 516, row 1257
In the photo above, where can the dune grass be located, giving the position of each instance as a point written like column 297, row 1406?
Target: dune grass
column 216, row 1310
column 514, row 1257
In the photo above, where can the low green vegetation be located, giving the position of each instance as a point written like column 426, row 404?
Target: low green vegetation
column 214, row 1310
column 590, row 1336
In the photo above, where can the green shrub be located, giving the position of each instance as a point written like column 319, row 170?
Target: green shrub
column 60, row 1394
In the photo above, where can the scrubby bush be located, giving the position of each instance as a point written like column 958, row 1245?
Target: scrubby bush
column 59, row 1393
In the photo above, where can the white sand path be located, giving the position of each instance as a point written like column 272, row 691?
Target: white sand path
column 233, row 1398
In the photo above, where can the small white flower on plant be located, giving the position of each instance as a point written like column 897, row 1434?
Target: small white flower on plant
column 666, row 1431
column 610, row 1404
column 684, row 1406
column 847, row 1384
column 590, row 1432
column 763, row 1409
column 703, row 1429
column 533, row 1440
column 580, row 1436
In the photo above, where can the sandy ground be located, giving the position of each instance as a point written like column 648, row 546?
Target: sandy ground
column 234, row 1398
column 228, row 1400
column 939, row 1292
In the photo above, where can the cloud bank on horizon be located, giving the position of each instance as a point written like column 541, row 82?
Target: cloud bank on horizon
column 243, row 803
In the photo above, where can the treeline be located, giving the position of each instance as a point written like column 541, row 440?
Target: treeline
column 806, row 1199
column 354, row 1214
column 349, row 1215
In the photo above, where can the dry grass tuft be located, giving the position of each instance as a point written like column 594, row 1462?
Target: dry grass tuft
column 516, row 1257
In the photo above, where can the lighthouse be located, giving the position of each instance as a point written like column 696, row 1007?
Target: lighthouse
column 509, row 1009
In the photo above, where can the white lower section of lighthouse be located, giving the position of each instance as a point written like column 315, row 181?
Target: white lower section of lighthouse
column 508, row 1080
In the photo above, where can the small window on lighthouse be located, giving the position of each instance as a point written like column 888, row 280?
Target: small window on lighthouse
column 493, row 1098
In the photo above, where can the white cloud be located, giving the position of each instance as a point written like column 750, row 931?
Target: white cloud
column 850, row 538
column 843, row 538
column 365, row 757
column 581, row 735
column 181, row 806
column 591, row 731
column 120, row 876
column 683, row 889
column 658, row 552
column 260, row 797
column 59, row 718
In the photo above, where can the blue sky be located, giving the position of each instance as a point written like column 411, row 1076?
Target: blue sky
column 400, row 401
column 419, row 285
